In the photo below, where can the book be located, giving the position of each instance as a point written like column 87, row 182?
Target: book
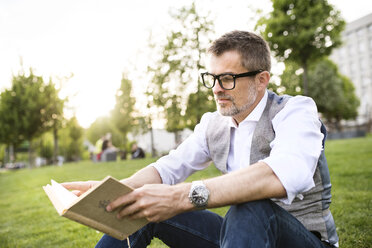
column 90, row 208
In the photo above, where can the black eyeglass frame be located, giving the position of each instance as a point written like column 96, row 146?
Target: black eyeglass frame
column 235, row 76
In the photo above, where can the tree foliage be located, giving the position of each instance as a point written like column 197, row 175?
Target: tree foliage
column 44, row 146
column 176, row 85
column 121, row 120
column 76, row 134
column 71, row 140
column 333, row 93
column 55, row 110
column 302, row 31
column 290, row 80
column 9, row 121
column 28, row 109
column 122, row 114
column 21, row 111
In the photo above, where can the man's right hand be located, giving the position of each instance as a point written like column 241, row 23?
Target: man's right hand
column 78, row 188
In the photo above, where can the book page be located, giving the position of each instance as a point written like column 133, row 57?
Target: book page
column 65, row 197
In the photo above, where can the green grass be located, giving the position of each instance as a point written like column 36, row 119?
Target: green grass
column 28, row 219
column 350, row 164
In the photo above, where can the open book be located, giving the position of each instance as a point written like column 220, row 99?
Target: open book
column 90, row 208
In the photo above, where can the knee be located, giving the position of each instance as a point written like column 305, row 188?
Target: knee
column 251, row 213
column 247, row 224
column 254, row 208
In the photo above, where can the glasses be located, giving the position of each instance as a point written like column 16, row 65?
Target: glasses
column 226, row 80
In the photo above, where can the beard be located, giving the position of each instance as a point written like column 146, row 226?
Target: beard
column 234, row 109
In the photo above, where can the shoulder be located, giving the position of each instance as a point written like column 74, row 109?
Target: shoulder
column 302, row 99
column 279, row 99
column 298, row 108
column 275, row 104
column 303, row 103
column 283, row 102
column 285, row 107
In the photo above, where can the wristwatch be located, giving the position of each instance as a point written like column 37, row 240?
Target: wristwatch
column 199, row 194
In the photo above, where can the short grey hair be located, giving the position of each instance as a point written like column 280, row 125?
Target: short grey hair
column 253, row 49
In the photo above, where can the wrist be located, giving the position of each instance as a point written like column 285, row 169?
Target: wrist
column 182, row 193
column 128, row 182
column 199, row 194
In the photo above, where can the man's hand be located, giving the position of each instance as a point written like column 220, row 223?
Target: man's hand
column 155, row 202
column 78, row 188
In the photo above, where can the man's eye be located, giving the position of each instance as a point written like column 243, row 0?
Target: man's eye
column 226, row 79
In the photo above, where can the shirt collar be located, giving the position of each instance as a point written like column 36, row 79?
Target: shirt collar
column 255, row 115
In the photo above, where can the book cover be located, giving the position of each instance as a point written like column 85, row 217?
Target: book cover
column 90, row 208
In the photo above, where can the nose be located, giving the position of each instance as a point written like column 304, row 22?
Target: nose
column 217, row 88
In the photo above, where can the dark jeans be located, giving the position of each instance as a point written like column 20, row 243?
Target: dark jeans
column 254, row 224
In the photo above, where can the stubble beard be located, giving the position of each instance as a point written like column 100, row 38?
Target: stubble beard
column 234, row 110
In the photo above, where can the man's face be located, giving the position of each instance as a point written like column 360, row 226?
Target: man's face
column 241, row 100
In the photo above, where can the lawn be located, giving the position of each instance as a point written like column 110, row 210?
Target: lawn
column 29, row 220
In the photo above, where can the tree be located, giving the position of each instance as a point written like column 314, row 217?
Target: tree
column 176, row 85
column 302, row 31
column 76, row 132
column 290, row 80
column 122, row 114
column 333, row 93
column 55, row 110
column 152, row 111
column 9, row 121
column 27, row 110
column 44, row 146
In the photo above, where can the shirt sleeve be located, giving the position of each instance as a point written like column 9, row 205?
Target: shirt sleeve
column 297, row 146
column 190, row 156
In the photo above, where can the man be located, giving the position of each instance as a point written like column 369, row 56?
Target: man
column 270, row 151
column 137, row 152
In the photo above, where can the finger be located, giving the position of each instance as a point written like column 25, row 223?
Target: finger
column 75, row 185
column 128, row 211
column 77, row 192
column 81, row 186
column 143, row 214
column 137, row 215
column 121, row 202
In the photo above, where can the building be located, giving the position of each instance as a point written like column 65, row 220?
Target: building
column 354, row 60
column 163, row 141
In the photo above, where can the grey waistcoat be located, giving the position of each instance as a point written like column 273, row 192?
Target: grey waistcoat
column 313, row 211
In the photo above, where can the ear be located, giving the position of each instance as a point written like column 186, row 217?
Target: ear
column 263, row 80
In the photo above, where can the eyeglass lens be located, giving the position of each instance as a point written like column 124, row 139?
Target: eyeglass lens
column 227, row 81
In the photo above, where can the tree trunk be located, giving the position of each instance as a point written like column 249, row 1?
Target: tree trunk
column 305, row 80
column 338, row 125
column 177, row 138
column 153, row 151
column 152, row 142
column 10, row 155
column 31, row 158
column 56, row 148
column 199, row 67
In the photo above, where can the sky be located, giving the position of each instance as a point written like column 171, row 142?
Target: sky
column 86, row 45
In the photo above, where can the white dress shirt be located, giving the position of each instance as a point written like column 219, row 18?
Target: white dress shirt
column 294, row 151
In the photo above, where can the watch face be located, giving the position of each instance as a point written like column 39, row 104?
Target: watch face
column 200, row 196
